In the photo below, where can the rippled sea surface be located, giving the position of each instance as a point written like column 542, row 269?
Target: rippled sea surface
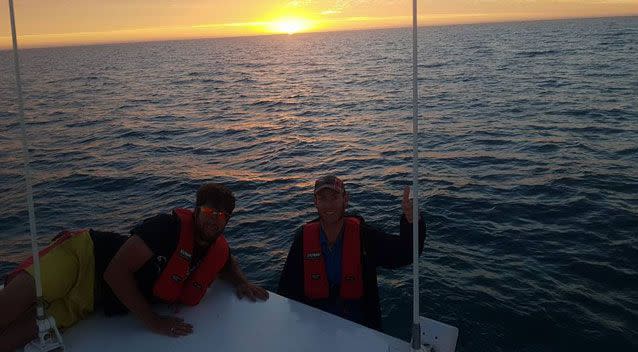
column 528, row 160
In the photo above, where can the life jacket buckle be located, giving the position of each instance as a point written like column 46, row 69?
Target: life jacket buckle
column 185, row 255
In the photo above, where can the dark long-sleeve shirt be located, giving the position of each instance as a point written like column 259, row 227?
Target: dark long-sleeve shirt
column 377, row 249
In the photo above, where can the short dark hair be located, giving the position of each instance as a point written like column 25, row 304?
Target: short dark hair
column 216, row 195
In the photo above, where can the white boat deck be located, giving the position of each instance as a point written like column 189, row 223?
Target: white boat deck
column 222, row 322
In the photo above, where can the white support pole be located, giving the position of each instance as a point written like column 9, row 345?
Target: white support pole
column 416, row 325
column 49, row 337
column 27, row 169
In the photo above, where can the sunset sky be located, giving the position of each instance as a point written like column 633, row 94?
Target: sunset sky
column 43, row 23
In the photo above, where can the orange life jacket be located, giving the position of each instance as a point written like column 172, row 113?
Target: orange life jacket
column 314, row 266
column 175, row 284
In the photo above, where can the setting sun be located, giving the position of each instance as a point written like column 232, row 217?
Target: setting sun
column 290, row 25
column 44, row 23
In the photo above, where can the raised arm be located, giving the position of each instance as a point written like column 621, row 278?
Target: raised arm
column 392, row 251
column 120, row 276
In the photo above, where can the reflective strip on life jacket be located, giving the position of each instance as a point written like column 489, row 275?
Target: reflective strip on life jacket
column 315, row 277
column 174, row 282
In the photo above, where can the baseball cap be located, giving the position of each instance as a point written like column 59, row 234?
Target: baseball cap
column 329, row 181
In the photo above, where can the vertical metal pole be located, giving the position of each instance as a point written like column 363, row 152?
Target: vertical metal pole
column 27, row 169
column 416, row 326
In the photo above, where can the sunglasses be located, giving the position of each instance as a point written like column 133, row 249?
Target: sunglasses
column 212, row 212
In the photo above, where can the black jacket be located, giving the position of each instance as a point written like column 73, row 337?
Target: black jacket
column 377, row 249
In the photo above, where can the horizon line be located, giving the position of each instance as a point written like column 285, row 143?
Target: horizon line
column 116, row 42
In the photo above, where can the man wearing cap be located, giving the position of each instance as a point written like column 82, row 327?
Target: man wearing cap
column 332, row 263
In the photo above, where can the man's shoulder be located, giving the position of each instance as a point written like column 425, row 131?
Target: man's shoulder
column 164, row 217
column 357, row 216
column 366, row 229
column 299, row 230
column 165, row 222
column 362, row 223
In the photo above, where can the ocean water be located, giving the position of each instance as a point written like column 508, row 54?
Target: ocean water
column 528, row 160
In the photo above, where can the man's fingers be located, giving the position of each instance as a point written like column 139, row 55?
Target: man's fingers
column 406, row 204
column 253, row 293
column 176, row 329
column 186, row 328
column 250, row 294
column 258, row 293
column 406, row 198
column 182, row 332
column 262, row 294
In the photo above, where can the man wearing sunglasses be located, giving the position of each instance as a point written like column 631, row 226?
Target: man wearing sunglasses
column 174, row 258
column 170, row 258
column 332, row 263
